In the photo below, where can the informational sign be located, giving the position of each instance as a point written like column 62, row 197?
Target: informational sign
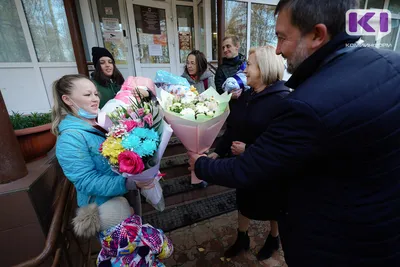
column 110, row 23
column 150, row 20
column 145, row 38
column 160, row 39
column 182, row 22
column 184, row 41
column 112, row 36
column 108, row 11
column 155, row 50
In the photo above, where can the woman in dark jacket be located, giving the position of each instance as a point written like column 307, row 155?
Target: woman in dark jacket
column 248, row 120
column 107, row 78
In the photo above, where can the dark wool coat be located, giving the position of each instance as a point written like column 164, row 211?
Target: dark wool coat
column 334, row 143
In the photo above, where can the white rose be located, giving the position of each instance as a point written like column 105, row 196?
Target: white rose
column 200, row 108
column 187, row 111
column 210, row 113
column 176, row 105
column 212, row 105
column 188, row 97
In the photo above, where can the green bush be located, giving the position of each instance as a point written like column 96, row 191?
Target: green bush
column 22, row 121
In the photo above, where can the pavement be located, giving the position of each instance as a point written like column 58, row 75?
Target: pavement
column 203, row 244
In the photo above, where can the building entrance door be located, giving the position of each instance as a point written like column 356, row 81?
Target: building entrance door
column 152, row 37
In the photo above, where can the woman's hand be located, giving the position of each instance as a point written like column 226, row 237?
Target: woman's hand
column 237, row 148
column 145, row 185
column 213, row 155
column 192, row 159
column 236, row 93
column 142, row 92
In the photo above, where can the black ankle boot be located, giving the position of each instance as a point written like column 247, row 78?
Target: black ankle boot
column 271, row 245
column 242, row 243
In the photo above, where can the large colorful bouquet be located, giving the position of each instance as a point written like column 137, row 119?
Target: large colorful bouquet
column 136, row 140
column 196, row 119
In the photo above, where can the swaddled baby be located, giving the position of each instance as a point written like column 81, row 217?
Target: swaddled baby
column 125, row 241
column 237, row 81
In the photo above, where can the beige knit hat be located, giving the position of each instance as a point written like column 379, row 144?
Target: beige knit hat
column 92, row 219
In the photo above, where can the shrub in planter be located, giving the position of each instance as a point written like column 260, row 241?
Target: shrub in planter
column 33, row 134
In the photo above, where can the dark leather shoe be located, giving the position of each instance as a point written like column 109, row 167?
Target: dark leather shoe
column 242, row 243
column 270, row 245
column 203, row 184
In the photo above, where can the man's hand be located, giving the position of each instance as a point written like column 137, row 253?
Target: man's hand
column 213, row 155
column 237, row 148
column 192, row 159
column 236, row 93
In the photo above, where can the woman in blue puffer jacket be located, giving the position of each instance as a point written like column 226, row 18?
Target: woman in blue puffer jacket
column 76, row 105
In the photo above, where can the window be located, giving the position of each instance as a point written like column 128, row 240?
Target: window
column 389, row 41
column 153, row 41
column 185, row 31
column 202, row 30
column 394, row 6
column 49, row 29
column 262, row 25
column 375, row 4
column 214, row 30
column 111, row 29
column 12, row 41
column 236, row 22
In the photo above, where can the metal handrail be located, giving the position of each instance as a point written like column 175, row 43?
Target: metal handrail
column 212, row 68
column 54, row 232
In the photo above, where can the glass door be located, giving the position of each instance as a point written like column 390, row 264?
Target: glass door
column 152, row 37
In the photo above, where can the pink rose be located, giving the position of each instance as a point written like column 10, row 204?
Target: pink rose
column 140, row 124
column 148, row 119
column 130, row 125
column 140, row 112
column 130, row 162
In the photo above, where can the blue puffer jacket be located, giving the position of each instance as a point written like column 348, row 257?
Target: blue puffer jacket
column 334, row 144
column 77, row 151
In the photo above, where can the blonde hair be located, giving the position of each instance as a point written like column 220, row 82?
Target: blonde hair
column 270, row 64
column 234, row 38
column 62, row 86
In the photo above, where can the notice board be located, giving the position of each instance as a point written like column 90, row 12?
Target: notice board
column 150, row 20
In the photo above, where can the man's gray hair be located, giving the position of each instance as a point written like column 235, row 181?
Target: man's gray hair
column 305, row 14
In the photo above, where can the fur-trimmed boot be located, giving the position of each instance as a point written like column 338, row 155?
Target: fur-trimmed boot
column 242, row 243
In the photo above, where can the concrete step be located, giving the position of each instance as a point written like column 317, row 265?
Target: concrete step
column 192, row 211
column 179, row 195
column 175, row 160
column 189, row 194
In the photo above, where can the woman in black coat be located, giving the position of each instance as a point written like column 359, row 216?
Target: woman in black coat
column 249, row 117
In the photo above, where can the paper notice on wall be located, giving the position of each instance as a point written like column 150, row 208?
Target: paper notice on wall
column 145, row 38
column 160, row 39
column 150, row 20
column 108, row 10
column 155, row 50
column 112, row 36
column 184, row 41
column 182, row 22
column 110, row 23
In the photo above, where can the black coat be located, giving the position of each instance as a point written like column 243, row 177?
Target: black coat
column 334, row 142
column 249, row 118
column 227, row 69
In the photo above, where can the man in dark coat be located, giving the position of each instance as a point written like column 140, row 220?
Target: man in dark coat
column 231, row 62
column 333, row 143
